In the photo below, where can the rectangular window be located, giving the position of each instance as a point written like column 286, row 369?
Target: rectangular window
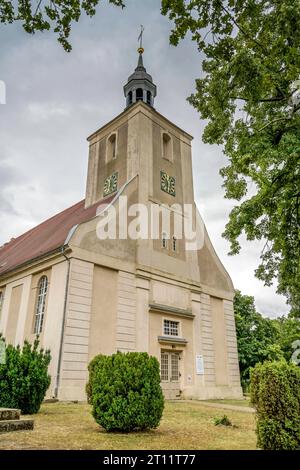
column 164, row 366
column 169, row 367
column 175, row 367
column 174, row 244
column 171, row 328
column 164, row 239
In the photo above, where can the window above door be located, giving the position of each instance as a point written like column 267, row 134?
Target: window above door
column 171, row 328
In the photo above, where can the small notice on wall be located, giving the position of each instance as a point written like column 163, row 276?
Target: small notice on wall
column 199, row 364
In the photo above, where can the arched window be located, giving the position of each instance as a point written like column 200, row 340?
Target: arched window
column 164, row 240
column 129, row 98
column 167, row 146
column 40, row 305
column 1, row 301
column 139, row 94
column 111, row 147
column 174, row 244
column 149, row 100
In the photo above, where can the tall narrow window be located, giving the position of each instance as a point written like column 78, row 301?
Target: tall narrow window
column 129, row 98
column 1, row 302
column 139, row 94
column 175, row 367
column 164, row 240
column 149, row 100
column 164, row 367
column 40, row 305
column 112, row 147
column 167, row 146
column 174, row 244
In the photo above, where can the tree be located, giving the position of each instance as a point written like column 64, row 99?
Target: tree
column 288, row 332
column 24, row 377
column 44, row 15
column 275, row 394
column 124, row 391
column 250, row 95
column 261, row 338
column 257, row 337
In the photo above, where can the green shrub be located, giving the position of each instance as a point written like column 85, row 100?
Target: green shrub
column 24, row 377
column 224, row 421
column 275, row 394
column 95, row 363
column 125, row 391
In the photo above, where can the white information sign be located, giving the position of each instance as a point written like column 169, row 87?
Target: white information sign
column 199, row 364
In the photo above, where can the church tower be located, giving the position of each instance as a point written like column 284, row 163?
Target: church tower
column 181, row 310
column 142, row 143
column 85, row 295
column 140, row 86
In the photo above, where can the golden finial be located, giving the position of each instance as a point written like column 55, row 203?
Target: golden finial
column 140, row 38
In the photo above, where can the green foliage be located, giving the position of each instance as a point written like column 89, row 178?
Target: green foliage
column 224, row 421
column 98, row 362
column 275, row 393
column 125, row 391
column 250, row 95
column 44, row 15
column 24, row 377
column 288, row 332
column 257, row 337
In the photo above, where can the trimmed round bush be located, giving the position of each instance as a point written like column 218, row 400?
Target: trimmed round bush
column 275, row 394
column 125, row 392
column 95, row 363
column 24, row 378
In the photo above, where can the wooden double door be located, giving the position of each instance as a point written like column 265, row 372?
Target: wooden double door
column 170, row 374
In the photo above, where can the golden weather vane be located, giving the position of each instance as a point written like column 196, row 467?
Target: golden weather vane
column 140, row 39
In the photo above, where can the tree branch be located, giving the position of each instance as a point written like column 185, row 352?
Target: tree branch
column 238, row 26
column 37, row 8
column 263, row 100
column 273, row 122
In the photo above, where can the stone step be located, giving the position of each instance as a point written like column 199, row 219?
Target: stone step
column 16, row 425
column 7, row 414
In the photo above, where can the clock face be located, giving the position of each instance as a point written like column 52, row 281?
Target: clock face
column 167, row 183
column 110, row 184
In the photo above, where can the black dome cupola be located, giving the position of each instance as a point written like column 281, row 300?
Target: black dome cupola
column 140, row 86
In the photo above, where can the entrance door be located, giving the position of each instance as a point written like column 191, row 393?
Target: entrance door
column 170, row 374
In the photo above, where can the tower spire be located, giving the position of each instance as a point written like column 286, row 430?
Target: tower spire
column 140, row 86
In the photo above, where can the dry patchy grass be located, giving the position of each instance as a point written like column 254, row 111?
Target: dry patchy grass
column 185, row 425
column 242, row 402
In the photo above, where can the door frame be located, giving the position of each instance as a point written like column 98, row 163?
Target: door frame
column 164, row 383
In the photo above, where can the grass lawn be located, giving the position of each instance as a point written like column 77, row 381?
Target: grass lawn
column 185, row 425
column 243, row 402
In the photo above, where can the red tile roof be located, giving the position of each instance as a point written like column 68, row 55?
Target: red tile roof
column 45, row 238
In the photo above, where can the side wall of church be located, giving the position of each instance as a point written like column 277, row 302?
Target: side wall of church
column 77, row 327
column 111, row 310
column 18, row 310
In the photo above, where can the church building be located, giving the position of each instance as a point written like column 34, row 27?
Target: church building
column 83, row 295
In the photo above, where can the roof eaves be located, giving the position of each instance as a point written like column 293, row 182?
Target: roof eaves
column 32, row 261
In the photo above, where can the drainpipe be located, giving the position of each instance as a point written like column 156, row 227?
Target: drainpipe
column 63, row 325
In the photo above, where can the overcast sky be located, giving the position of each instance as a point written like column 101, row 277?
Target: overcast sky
column 55, row 100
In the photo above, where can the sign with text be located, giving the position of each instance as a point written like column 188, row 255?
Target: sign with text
column 199, row 364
